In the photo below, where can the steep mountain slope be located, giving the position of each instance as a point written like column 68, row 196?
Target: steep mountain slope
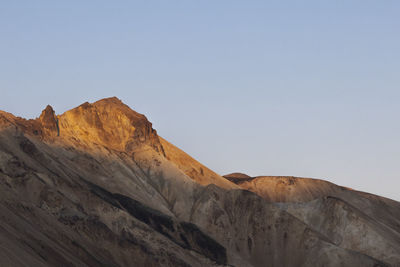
column 97, row 186
column 194, row 169
column 354, row 220
column 348, row 227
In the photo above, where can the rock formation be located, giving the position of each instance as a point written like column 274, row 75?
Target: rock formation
column 97, row 186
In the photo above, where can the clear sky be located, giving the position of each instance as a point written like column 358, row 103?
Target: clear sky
column 302, row 88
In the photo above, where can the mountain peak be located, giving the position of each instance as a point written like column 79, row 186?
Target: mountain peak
column 110, row 123
column 111, row 100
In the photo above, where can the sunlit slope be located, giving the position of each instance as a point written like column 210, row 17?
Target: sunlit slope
column 286, row 188
column 193, row 168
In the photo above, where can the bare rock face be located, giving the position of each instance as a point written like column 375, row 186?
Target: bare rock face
column 108, row 123
column 96, row 186
column 49, row 121
column 31, row 127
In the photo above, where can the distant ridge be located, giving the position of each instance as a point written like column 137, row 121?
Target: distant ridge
column 237, row 175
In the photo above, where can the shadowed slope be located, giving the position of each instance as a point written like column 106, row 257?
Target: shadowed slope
column 353, row 220
column 349, row 227
column 60, row 212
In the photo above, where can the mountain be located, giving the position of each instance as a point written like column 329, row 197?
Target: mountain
column 97, row 186
column 350, row 219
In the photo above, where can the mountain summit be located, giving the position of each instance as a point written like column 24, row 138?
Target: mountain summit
column 97, row 186
column 109, row 123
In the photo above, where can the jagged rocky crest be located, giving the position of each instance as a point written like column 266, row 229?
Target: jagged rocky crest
column 48, row 119
column 97, row 186
column 108, row 122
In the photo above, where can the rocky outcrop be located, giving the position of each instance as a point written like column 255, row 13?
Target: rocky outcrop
column 49, row 122
column 108, row 123
column 30, row 127
column 237, row 177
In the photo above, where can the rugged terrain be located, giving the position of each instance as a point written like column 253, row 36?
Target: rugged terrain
column 97, row 186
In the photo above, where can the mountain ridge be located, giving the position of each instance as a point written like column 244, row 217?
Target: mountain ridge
column 105, row 189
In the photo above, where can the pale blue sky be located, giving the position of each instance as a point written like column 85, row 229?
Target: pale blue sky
column 303, row 88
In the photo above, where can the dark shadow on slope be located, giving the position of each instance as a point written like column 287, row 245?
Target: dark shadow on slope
column 186, row 235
